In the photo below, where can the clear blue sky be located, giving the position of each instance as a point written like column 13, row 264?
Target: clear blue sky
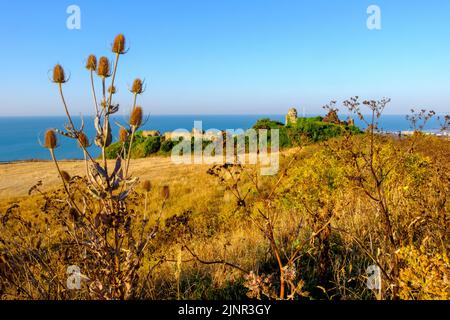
column 230, row 56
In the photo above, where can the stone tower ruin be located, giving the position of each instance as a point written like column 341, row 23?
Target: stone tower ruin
column 291, row 117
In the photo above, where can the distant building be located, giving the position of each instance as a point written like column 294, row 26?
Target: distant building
column 351, row 122
column 151, row 133
column 292, row 116
column 177, row 135
column 212, row 136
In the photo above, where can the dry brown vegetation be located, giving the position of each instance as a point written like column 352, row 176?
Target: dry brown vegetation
column 146, row 229
column 321, row 212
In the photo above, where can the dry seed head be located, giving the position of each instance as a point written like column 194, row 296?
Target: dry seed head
column 91, row 63
column 137, row 86
column 103, row 68
column 65, row 176
column 147, row 185
column 112, row 90
column 136, row 117
column 123, row 135
column 119, row 44
column 165, row 192
column 83, row 140
column 58, row 74
column 50, row 139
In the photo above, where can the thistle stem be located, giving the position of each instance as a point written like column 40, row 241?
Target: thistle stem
column 86, row 163
column 65, row 106
column 133, row 130
column 134, row 101
column 94, row 96
column 66, row 189
column 108, row 104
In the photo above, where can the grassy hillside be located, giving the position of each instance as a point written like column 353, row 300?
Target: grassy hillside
column 226, row 232
column 306, row 130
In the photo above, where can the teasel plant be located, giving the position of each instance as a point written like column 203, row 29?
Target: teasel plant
column 108, row 239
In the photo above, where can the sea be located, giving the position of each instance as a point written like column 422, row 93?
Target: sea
column 21, row 138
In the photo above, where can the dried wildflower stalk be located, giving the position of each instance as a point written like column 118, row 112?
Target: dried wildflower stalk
column 285, row 283
column 99, row 222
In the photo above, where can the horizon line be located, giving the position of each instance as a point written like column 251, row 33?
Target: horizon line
column 204, row 114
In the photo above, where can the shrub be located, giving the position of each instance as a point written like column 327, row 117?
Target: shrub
column 267, row 124
column 167, row 145
column 424, row 275
column 114, row 150
column 151, row 145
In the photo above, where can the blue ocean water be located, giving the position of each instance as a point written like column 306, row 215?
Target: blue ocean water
column 21, row 136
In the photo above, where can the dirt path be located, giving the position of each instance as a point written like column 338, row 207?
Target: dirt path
column 17, row 178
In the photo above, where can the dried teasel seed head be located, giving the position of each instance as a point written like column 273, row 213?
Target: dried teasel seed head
column 165, row 192
column 103, row 68
column 147, row 185
column 136, row 117
column 112, row 90
column 65, row 176
column 50, row 139
column 91, row 63
column 123, row 135
column 136, row 88
column 58, row 74
column 83, row 140
column 119, row 44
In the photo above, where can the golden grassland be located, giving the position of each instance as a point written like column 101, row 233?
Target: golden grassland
column 191, row 188
column 17, row 178
column 324, row 228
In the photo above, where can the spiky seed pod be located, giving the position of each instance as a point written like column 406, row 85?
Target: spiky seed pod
column 58, row 74
column 103, row 68
column 112, row 89
column 123, row 135
column 91, row 63
column 65, row 176
column 136, row 88
column 147, row 185
column 83, row 140
column 119, row 44
column 165, row 192
column 136, row 117
column 50, row 139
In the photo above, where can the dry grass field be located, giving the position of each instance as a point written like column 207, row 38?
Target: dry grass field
column 319, row 224
column 17, row 178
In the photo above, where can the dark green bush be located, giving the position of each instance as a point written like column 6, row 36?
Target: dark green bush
column 112, row 152
column 167, row 146
column 152, row 145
